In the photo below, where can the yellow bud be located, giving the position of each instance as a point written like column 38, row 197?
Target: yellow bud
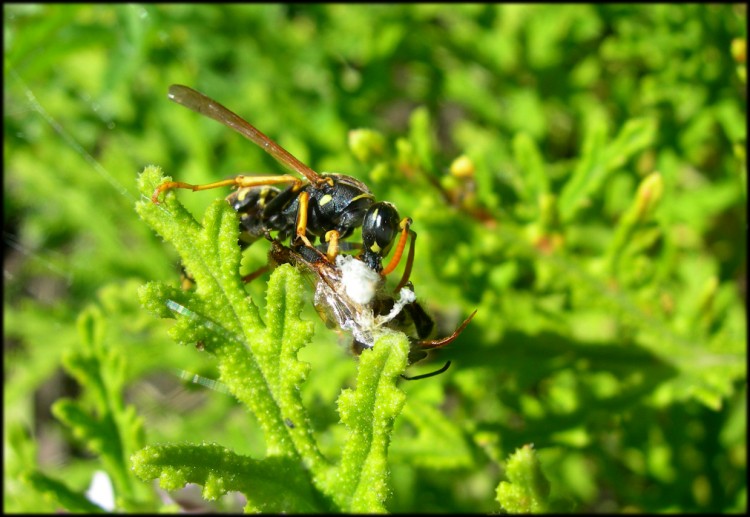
column 649, row 194
column 739, row 49
column 462, row 167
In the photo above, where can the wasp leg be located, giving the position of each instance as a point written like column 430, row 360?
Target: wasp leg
column 255, row 274
column 409, row 262
column 238, row 181
column 405, row 232
column 304, row 204
column 437, row 343
column 332, row 238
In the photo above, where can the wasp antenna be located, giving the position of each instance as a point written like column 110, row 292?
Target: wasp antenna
column 426, row 375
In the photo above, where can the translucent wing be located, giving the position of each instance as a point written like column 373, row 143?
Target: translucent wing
column 204, row 105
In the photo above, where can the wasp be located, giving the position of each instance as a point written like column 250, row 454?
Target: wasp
column 328, row 206
column 348, row 295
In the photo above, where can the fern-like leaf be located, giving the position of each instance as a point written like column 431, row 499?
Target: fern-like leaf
column 257, row 358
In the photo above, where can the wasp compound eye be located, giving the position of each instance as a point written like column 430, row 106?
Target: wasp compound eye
column 379, row 230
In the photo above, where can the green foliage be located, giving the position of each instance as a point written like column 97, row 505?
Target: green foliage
column 575, row 173
column 600, row 159
column 105, row 424
column 100, row 420
column 59, row 493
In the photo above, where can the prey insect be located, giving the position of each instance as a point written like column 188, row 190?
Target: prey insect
column 349, row 296
column 328, row 206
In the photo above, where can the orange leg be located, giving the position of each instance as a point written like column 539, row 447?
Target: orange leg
column 332, row 238
column 238, row 181
column 405, row 231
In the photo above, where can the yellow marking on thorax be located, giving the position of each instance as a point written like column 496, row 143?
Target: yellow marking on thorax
column 362, row 196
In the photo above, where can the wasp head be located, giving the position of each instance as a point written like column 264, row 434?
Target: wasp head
column 379, row 229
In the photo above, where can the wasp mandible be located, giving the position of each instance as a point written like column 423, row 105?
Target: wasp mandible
column 328, row 205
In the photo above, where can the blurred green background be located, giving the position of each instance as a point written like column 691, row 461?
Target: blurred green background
column 616, row 346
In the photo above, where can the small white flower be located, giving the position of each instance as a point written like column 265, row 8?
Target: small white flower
column 100, row 491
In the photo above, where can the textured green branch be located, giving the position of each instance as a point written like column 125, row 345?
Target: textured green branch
column 528, row 488
column 272, row 485
column 258, row 363
column 369, row 412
